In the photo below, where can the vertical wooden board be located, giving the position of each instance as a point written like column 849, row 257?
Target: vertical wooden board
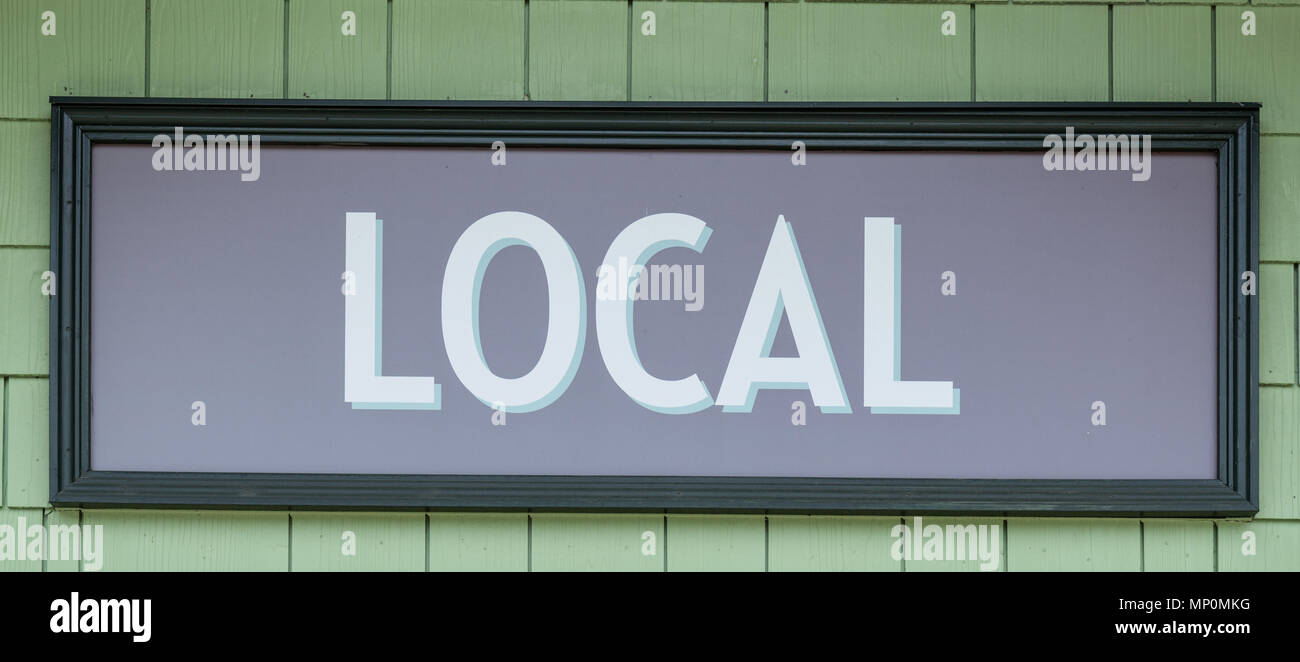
column 1199, row 2
column 701, row 51
column 357, row 542
column 325, row 63
column 1041, row 53
column 219, row 48
column 1177, row 545
column 64, row 548
column 1279, row 453
column 1261, row 545
column 24, row 312
column 1277, row 324
column 830, row 543
column 716, row 543
column 953, row 542
column 619, row 543
column 1162, row 53
column 478, row 542
column 1279, row 198
column 192, row 541
column 14, row 523
column 4, row 398
column 449, row 49
column 97, row 49
column 1262, row 67
column 27, row 442
column 24, row 183
column 843, row 52
column 1052, row 544
column 577, row 50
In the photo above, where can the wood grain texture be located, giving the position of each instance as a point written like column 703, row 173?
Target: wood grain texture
column 701, row 51
column 1262, row 67
column 1041, row 53
column 1279, row 453
column 577, row 50
column 841, row 52
column 24, row 183
column 716, row 543
column 219, row 48
column 1177, row 545
column 27, row 442
column 1199, row 2
column 19, row 519
column 378, row 542
column 97, row 49
column 478, row 542
column 65, row 560
column 830, row 543
column 324, row 63
column 1073, row 544
column 1277, row 324
column 969, row 562
column 24, row 312
column 448, row 49
column 564, row 542
column 1279, row 198
column 196, row 541
column 1162, row 53
column 1275, row 545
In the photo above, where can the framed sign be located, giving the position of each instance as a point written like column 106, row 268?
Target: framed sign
column 859, row 308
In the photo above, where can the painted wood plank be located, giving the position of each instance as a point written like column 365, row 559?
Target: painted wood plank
column 326, row 63
column 1262, row 67
column 621, row 543
column 27, row 442
column 4, row 397
column 97, row 49
column 1162, row 53
column 877, row 52
column 1177, row 545
column 577, row 50
column 1279, row 453
column 1259, row 546
column 1279, row 198
column 1041, row 53
column 24, row 183
column 962, row 556
column 14, row 523
column 830, row 543
column 1200, row 2
column 1277, row 324
column 478, row 542
column 716, row 543
column 207, row 540
column 700, row 51
column 358, row 542
column 448, row 49
column 1073, row 544
column 221, row 48
column 68, row 557
column 24, row 312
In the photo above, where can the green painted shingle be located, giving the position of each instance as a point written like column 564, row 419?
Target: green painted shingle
column 447, row 49
column 701, row 51
column 325, row 63
column 1041, row 53
column 577, row 50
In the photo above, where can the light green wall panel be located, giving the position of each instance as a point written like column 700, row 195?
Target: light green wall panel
column 448, row 49
column 1162, row 53
column 24, row 183
column 378, row 541
column 563, row 542
column 994, row 539
column 217, row 48
column 97, row 49
column 324, row 63
column 1199, row 2
column 1262, row 67
column 1177, row 545
column 830, row 543
column 167, row 540
column 67, row 561
column 4, row 397
column 19, row 519
column 24, row 312
column 1276, row 546
column 1279, row 451
column 1073, row 544
column 478, row 542
column 851, row 52
column 1277, row 324
column 1041, row 53
column 701, row 51
column 27, row 442
column 577, row 50
column 715, row 543
column 1279, row 198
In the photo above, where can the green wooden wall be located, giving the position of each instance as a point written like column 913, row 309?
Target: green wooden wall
column 597, row 49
